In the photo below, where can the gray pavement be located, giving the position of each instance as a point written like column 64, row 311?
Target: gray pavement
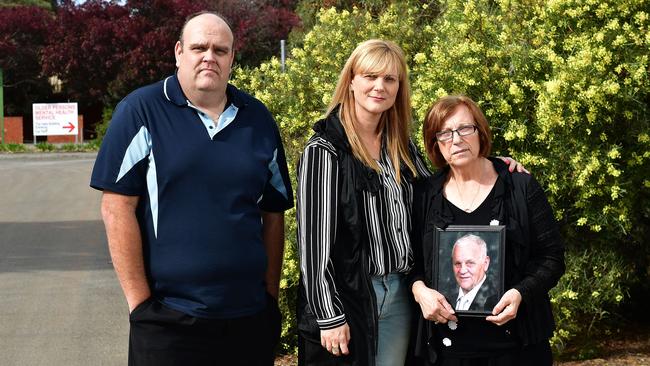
column 60, row 303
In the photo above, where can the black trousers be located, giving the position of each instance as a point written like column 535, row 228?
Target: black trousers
column 532, row 355
column 162, row 336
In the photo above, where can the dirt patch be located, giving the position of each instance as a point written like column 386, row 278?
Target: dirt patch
column 287, row 360
column 629, row 350
column 632, row 349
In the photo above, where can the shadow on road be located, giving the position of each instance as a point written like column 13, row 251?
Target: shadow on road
column 42, row 246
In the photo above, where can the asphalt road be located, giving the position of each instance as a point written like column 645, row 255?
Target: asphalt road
column 60, row 302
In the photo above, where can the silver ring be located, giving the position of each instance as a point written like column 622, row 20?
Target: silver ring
column 335, row 349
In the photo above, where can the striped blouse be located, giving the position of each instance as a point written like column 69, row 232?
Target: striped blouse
column 389, row 222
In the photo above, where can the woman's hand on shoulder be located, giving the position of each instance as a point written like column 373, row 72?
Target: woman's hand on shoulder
column 506, row 309
column 336, row 340
column 433, row 304
column 513, row 164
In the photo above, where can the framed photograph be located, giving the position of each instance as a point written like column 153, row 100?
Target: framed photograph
column 469, row 263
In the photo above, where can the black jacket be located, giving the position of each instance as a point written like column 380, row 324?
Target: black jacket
column 349, row 255
column 485, row 299
column 534, row 249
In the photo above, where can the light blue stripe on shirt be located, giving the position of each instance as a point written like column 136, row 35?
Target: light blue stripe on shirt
column 140, row 148
column 152, row 187
column 276, row 179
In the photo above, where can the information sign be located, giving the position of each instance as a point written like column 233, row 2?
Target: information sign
column 55, row 119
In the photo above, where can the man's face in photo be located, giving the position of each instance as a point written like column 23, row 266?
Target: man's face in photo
column 470, row 263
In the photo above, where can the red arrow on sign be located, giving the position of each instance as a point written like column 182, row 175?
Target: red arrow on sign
column 70, row 126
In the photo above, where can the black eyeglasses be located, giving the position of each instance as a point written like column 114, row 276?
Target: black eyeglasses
column 446, row 135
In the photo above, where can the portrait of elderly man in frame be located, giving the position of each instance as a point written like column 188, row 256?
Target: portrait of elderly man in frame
column 470, row 262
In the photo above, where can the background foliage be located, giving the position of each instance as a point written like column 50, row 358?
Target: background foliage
column 565, row 86
column 102, row 50
column 41, row 3
column 22, row 31
column 564, row 83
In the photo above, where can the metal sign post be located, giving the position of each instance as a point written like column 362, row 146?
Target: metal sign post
column 2, row 110
column 283, row 55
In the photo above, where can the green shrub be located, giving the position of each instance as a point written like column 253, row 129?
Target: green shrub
column 93, row 145
column 100, row 128
column 13, row 148
column 593, row 285
column 45, row 147
column 289, row 285
column 71, row 147
column 565, row 86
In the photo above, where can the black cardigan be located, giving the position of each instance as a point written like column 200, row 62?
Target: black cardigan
column 534, row 248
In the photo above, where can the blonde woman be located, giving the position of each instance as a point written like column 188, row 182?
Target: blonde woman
column 354, row 197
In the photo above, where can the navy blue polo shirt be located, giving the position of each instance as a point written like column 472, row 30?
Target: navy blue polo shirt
column 202, row 187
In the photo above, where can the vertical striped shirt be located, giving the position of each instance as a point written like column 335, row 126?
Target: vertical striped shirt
column 388, row 215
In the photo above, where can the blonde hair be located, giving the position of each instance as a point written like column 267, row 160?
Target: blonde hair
column 377, row 57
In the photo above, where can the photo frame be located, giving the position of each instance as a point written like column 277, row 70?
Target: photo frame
column 479, row 260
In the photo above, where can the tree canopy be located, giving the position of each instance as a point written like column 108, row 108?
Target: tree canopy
column 42, row 3
column 101, row 50
column 23, row 31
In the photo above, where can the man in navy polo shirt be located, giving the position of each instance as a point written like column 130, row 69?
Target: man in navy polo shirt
column 195, row 186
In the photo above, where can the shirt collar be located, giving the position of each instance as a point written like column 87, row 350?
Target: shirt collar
column 472, row 293
column 213, row 127
column 174, row 93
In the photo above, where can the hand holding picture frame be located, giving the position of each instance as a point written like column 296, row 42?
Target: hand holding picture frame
column 469, row 263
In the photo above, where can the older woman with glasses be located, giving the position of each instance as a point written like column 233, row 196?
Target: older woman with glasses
column 472, row 189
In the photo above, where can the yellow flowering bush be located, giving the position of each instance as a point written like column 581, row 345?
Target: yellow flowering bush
column 593, row 283
column 565, row 85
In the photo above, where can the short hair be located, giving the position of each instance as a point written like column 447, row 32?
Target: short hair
column 474, row 239
column 438, row 114
column 198, row 13
column 377, row 56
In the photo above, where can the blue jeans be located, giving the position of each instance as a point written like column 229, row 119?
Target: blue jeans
column 394, row 314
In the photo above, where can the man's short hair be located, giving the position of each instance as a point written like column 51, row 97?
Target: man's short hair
column 194, row 15
column 471, row 238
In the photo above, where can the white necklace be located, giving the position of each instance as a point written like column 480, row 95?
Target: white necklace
column 478, row 189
